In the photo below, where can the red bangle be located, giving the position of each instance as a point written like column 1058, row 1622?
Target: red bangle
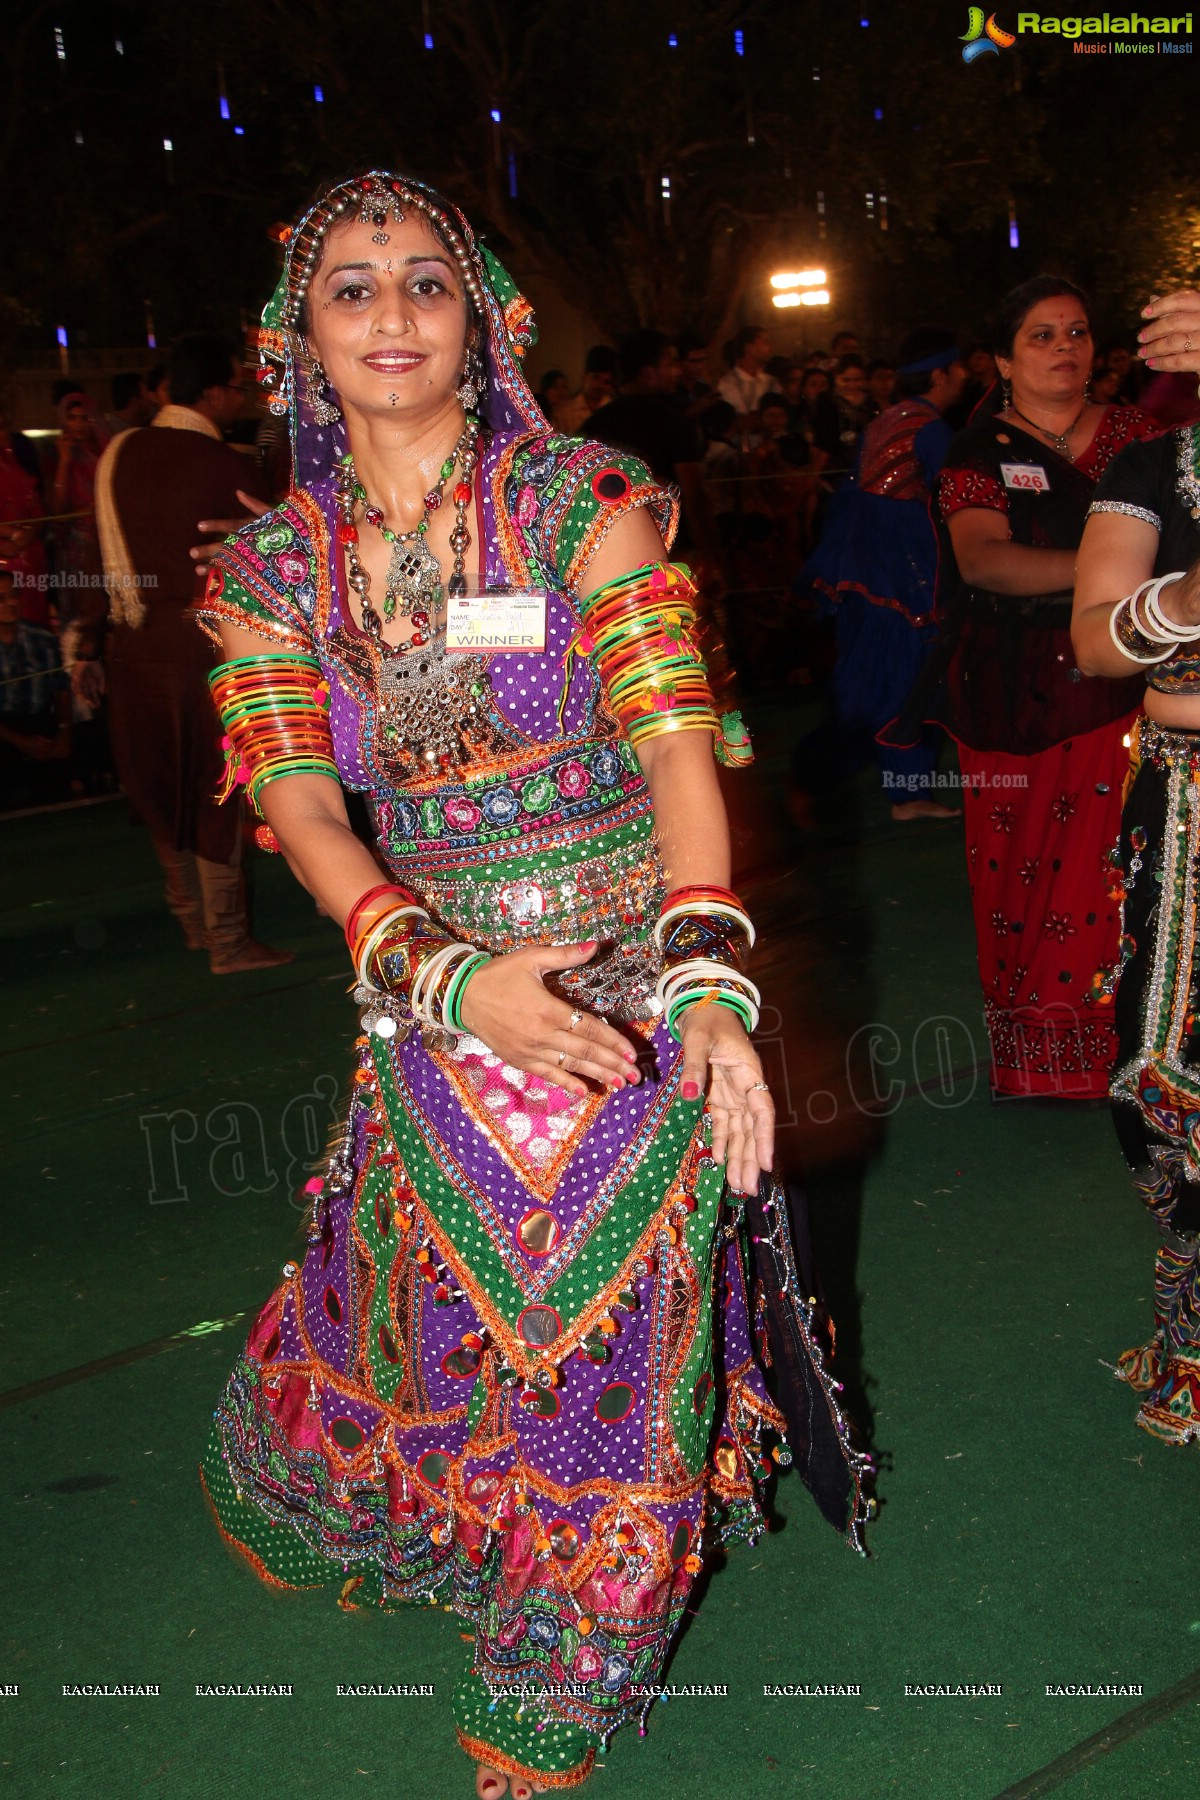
column 679, row 895
column 364, row 900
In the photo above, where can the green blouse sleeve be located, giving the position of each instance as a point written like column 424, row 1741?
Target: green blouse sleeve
column 565, row 496
column 263, row 579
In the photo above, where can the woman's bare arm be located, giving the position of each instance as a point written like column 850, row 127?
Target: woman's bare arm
column 988, row 558
column 1116, row 555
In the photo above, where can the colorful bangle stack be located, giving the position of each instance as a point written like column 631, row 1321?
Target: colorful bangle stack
column 275, row 713
column 705, row 936
column 637, row 630
column 398, row 949
column 1142, row 631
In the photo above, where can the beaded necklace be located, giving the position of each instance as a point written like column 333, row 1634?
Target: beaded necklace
column 414, row 577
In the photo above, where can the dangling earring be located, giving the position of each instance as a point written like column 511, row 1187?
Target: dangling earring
column 323, row 410
column 472, row 383
column 274, row 375
column 1005, row 394
column 1087, row 391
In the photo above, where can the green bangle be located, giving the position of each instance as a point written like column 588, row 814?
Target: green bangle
column 458, row 982
column 736, row 1003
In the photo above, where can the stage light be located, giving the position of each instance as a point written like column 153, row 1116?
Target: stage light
column 791, row 298
column 799, row 278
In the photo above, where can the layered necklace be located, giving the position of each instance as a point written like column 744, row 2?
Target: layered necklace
column 1056, row 440
column 413, row 586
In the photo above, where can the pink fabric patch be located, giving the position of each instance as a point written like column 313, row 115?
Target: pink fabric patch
column 532, row 1117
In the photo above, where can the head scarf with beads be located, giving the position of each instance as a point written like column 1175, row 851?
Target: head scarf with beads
column 504, row 316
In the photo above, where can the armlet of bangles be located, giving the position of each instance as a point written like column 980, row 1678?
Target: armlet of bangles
column 275, row 714
column 1142, row 631
column 639, row 632
column 706, row 937
column 399, row 950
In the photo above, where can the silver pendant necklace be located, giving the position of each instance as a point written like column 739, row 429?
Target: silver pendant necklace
column 413, row 585
column 1056, row 440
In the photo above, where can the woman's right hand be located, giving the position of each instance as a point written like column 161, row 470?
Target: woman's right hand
column 508, row 1007
column 1180, row 600
column 1170, row 340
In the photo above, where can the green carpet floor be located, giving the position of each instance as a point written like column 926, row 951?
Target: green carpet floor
column 982, row 1261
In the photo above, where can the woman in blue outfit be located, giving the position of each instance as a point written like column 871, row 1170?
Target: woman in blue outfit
column 875, row 570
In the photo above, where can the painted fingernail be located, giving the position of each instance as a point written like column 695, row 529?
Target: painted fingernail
column 629, row 1055
column 616, row 1081
column 690, row 1091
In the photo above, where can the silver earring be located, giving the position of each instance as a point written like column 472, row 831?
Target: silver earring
column 472, row 383
column 278, row 383
column 323, row 410
column 1005, row 394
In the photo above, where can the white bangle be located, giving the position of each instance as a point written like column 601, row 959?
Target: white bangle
column 710, row 908
column 1141, row 620
column 703, row 976
column 378, row 932
column 1126, row 605
column 1171, row 630
column 427, row 976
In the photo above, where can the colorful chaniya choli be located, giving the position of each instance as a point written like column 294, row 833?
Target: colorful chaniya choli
column 515, row 1371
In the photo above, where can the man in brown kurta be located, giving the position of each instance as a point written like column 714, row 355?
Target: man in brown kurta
column 159, row 482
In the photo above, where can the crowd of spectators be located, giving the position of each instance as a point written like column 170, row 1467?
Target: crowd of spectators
column 758, row 444
column 54, row 743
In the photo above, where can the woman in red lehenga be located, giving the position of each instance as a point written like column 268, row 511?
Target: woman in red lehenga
column 1043, row 752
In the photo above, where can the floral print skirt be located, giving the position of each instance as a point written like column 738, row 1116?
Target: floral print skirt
column 1040, row 831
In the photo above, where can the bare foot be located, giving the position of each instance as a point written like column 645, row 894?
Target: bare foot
column 490, row 1784
column 252, row 955
column 905, row 810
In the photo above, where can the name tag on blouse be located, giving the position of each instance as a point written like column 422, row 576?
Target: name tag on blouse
column 1031, row 477
column 496, row 620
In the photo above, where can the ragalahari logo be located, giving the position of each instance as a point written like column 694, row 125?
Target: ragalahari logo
column 983, row 37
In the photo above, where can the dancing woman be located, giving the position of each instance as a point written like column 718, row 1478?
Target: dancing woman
column 515, row 1370
column 1137, row 613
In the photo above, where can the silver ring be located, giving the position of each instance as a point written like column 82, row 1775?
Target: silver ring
column 576, row 1019
column 562, row 1057
column 760, row 1087
column 1187, row 344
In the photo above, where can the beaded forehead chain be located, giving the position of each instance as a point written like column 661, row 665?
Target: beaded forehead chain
column 376, row 198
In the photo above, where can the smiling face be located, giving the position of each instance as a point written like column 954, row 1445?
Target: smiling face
column 1051, row 355
column 389, row 322
column 850, row 385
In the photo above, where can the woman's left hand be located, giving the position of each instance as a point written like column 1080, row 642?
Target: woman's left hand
column 718, row 1055
column 1170, row 339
